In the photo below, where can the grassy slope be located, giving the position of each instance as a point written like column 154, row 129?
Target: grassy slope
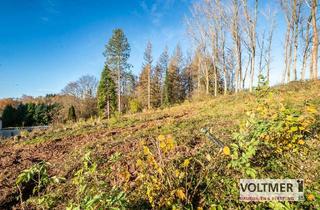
column 64, row 146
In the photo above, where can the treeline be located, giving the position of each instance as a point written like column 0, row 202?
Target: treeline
column 167, row 82
column 81, row 95
column 233, row 40
column 232, row 46
column 232, row 43
column 29, row 114
column 77, row 100
column 52, row 108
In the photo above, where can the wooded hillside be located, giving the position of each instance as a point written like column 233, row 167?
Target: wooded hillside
column 164, row 159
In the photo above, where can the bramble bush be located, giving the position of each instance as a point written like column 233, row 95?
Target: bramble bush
column 271, row 130
column 273, row 133
column 92, row 192
column 270, row 134
column 171, row 175
column 172, row 181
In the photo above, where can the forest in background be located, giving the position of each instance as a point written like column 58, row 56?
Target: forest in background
column 232, row 48
column 182, row 133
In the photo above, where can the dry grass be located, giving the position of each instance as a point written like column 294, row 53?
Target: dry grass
column 63, row 146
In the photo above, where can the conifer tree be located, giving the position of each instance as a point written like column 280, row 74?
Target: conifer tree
column 9, row 116
column 173, row 82
column 163, row 64
column 167, row 89
column 145, row 86
column 107, row 98
column 148, row 66
column 156, row 86
column 188, row 77
column 117, row 53
column 142, row 88
column 72, row 114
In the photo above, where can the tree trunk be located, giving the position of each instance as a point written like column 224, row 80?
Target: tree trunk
column 149, row 87
column 253, row 43
column 252, row 23
column 269, row 49
column 207, row 78
column 237, row 45
column 286, row 52
column 315, row 40
column 246, row 72
column 261, row 53
column 199, row 74
column 305, row 52
column 296, row 15
column 290, row 60
column 108, row 109
column 161, row 94
column 240, row 62
column 225, row 89
column 238, row 74
column 119, row 87
column 215, row 81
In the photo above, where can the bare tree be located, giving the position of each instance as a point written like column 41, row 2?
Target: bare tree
column 262, row 52
column 82, row 94
column 198, row 31
column 235, row 32
column 220, row 58
column 251, row 22
column 222, row 30
column 315, row 40
column 306, row 50
column 292, row 12
column 212, row 19
column 217, row 30
column 84, row 87
column 88, row 86
column 72, row 88
column 199, row 73
column 295, row 19
column 270, row 17
column 287, row 9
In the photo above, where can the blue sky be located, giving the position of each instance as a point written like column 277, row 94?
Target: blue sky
column 44, row 44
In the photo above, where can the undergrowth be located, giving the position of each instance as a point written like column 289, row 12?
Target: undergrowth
column 175, row 166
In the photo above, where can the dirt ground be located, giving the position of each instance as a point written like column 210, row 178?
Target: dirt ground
column 18, row 156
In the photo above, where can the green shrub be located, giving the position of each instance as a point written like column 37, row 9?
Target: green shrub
column 270, row 131
column 134, row 106
column 92, row 192
column 36, row 178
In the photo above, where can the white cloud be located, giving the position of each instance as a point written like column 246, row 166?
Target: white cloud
column 157, row 9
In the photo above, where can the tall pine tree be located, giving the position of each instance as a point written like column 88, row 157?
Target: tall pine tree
column 189, row 76
column 174, row 92
column 156, row 84
column 148, row 65
column 163, row 64
column 144, row 90
column 107, row 97
column 117, row 53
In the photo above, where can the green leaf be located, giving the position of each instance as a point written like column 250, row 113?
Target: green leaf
column 293, row 129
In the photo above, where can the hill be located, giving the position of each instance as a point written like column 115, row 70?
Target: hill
column 163, row 159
